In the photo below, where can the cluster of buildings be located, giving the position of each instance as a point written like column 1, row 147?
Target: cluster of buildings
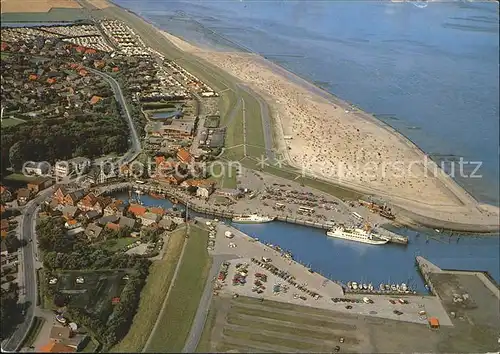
column 189, row 80
column 124, row 38
column 89, row 214
column 50, row 88
column 84, row 35
column 64, row 339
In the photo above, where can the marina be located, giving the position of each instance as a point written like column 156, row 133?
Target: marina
column 346, row 260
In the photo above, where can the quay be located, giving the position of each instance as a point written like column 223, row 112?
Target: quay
column 291, row 282
column 472, row 297
column 228, row 214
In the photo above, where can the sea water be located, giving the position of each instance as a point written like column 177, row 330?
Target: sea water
column 430, row 72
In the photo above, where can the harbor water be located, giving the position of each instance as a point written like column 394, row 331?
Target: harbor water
column 352, row 261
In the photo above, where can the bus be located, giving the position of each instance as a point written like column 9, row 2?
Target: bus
column 280, row 205
column 307, row 210
column 140, row 182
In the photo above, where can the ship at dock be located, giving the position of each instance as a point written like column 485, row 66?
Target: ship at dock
column 252, row 219
column 359, row 235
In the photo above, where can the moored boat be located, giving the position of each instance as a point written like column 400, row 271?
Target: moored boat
column 252, row 219
column 359, row 235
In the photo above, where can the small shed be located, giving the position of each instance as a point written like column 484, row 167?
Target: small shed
column 433, row 322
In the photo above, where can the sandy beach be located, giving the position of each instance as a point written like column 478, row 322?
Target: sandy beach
column 328, row 139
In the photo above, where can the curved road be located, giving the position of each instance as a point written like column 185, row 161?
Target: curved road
column 29, row 289
column 135, row 149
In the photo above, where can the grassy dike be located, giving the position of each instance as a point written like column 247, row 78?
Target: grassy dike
column 183, row 300
column 153, row 295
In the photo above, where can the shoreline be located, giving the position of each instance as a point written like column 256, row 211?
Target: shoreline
column 466, row 201
column 468, row 205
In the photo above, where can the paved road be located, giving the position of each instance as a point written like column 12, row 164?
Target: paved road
column 29, row 290
column 204, row 305
column 135, row 149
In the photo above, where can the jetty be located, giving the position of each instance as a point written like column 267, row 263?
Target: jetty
column 391, row 236
column 221, row 212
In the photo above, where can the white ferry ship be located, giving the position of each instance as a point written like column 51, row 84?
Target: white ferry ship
column 252, row 219
column 359, row 235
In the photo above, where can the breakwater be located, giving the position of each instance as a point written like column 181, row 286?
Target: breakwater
column 207, row 209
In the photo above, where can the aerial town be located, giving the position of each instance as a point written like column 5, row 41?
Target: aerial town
column 128, row 178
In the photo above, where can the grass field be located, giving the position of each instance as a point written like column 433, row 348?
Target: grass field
column 246, row 324
column 224, row 175
column 54, row 15
column 19, row 177
column 96, row 292
column 183, row 300
column 10, row 122
column 204, row 343
column 253, row 119
column 152, row 296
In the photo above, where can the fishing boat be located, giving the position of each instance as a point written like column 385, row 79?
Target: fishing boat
column 252, row 219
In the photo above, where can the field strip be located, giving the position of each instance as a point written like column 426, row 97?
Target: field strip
column 232, row 343
column 172, row 282
column 266, row 339
column 242, row 319
column 314, row 318
column 281, row 335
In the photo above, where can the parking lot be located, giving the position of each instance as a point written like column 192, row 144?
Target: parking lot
column 290, row 282
column 245, row 324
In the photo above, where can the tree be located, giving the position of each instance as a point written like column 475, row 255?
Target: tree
column 16, row 156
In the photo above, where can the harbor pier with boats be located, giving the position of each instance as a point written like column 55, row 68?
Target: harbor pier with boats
column 203, row 207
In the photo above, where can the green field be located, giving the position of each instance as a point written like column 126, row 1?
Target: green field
column 152, row 295
column 224, row 175
column 96, row 292
column 19, row 177
column 204, row 345
column 10, row 122
column 253, row 119
column 183, row 300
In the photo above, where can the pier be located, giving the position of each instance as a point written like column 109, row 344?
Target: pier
column 228, row 214
column 391, row 236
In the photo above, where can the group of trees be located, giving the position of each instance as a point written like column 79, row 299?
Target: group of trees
column 9, row 311
column 64, row 252
column 63, row 132
column 109, row 330
column 89, row 135
column 108, row 234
